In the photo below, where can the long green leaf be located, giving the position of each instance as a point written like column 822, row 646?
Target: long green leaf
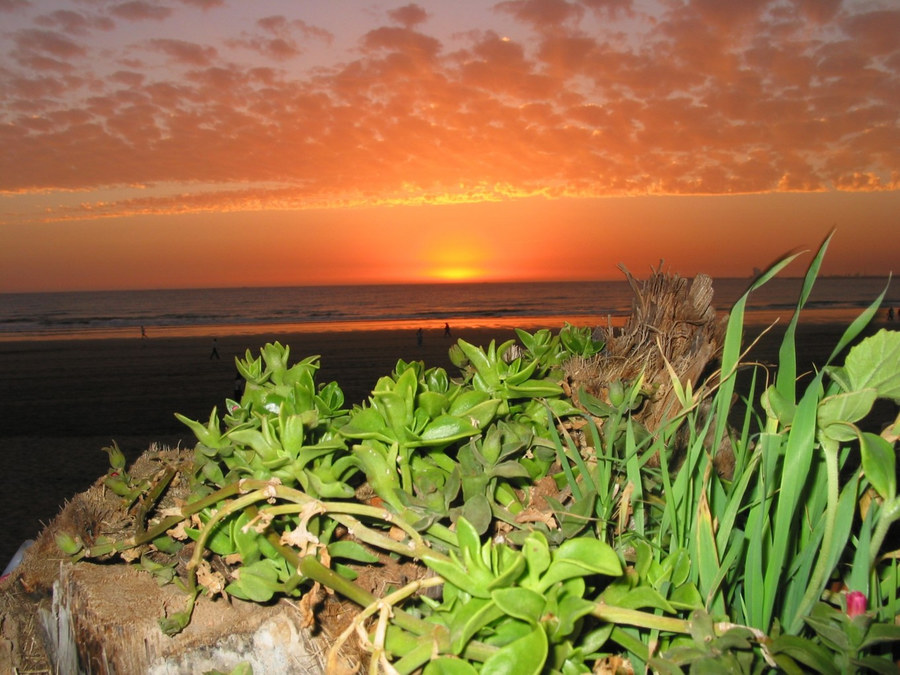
column 564, row 462
column 787, row 356
column 799, row 599
column 857, row 326
column 797, row 460
column 633, row 471
column 735, row 502
column 731, row 349
column 759, row 535
column 707, row 558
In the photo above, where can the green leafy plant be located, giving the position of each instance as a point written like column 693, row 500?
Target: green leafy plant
column 552, row 540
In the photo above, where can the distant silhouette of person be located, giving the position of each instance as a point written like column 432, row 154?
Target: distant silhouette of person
column 419, row 336
column 214, row 354
column 143, row 333
column 238, row 386
column 891, row 314
column 446, row 330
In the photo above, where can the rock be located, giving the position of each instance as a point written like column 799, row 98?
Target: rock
column 91, row 618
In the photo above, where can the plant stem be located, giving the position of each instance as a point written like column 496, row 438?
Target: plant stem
column 151, row 497
column 634, row 617
column 888, row 516
column 313, row 569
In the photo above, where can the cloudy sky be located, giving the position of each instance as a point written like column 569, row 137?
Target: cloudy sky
column 180, row 143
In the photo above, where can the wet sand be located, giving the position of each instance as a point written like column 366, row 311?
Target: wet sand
column 63, row 401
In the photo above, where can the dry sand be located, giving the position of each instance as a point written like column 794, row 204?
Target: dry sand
column 63, row 401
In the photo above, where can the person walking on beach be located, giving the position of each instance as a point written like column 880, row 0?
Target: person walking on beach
column 891, row 314
column 419, row 337
column 214, row 354
column 446, row 330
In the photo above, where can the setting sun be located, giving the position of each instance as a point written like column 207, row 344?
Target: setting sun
column 458, row 274
column 456, row 258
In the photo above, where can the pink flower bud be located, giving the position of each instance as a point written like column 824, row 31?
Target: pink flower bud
column 856, row 603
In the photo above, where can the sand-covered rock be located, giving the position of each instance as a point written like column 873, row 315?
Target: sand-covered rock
column 58, row 616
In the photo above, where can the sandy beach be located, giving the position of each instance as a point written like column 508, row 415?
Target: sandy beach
column 63, row 401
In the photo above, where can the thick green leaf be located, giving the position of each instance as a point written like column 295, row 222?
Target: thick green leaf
column 454, row 573
column 640, row 597
column 879, row 464
column 877, row 664
column 537, row 556
column 482, row 362
column 590, row 553
column 847, row 407
column 509, row 469
column 469, row 618
column 686, row 596
column 446, row 429
column 535, row 388
column 561, row 570
column 571, row 608
column 350, row 550
column 875, row 364
column 257, row 582
column 880, row 633
column 447, row 666
column 477, row 511
column 246, row 539
column 679, row 562
column 562, row 407
column 220, row 540
column 256, row 440
column 209, row 434
column 468, row 537
column 509, row 568
column 432, row 402
column 367, row 423
column 292, row 433
column 806, row 652
column 481, row 415
column 520, row 603
column 322, row 485
column 396, row 410
column 734, row 638
column 777, row 406
column 525, row 656
column 822, row 620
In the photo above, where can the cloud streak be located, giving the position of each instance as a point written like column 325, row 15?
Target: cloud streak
column 591, row 98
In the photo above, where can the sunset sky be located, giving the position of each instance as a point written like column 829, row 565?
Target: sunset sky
column 182, row 143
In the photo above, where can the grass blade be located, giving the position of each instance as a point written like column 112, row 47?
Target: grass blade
column 787, row 357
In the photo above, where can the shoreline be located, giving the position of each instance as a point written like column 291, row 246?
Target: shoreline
column 67, row 399
column 753, row 317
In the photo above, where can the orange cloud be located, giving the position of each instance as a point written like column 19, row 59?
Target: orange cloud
column 139, row 10
column 585, row 99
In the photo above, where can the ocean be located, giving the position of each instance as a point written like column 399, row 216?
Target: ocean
column 248, row 311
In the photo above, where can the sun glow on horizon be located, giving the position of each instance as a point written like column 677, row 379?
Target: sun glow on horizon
column 456, row 258
column 452, row 274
